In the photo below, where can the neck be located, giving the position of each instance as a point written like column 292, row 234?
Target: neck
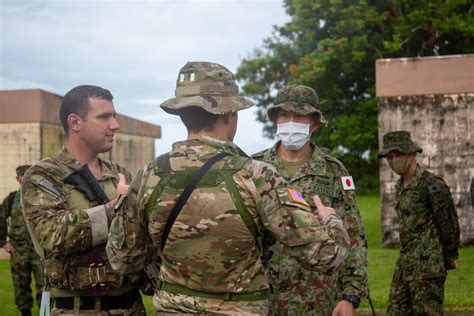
column 409, row 174
column 83, row 154
column 295, row 155
column 217, row 133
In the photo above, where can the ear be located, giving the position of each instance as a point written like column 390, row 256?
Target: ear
column 74, row 122
column 315, row 126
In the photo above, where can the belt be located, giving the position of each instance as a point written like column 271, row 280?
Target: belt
column 248, row 296
column 124, row 301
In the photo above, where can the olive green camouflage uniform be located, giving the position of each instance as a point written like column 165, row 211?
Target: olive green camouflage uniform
column 429, row 236
column 210, row 251
column 71, row 232
column 298, row 290
column 23, row 261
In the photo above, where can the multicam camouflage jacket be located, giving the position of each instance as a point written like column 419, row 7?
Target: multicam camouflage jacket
column 209, row 248
column 310, row 291
column 18, row 233
column 429, row 227
column 65, row 231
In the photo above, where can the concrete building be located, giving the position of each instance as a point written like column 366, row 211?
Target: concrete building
column 30, row 131
column 433, row 98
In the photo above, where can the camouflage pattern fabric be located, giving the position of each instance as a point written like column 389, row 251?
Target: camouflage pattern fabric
column 429, row 235
column 57, row 215
column 23, row 261
column 298, row 99
column 415, row 297
column 400, row 141
column 302, row 291
column 209, row 86
column 209, row 248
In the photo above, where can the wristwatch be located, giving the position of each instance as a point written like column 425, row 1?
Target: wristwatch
column 354, row 299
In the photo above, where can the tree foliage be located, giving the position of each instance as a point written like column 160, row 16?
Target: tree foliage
column 332, row 46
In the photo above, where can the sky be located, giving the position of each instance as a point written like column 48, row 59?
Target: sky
column 133, row 48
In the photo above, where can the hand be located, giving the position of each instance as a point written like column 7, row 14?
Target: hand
column 344, row 308
column 122, row 186
column 452, row 265
column 8, row 247
column 321, row 210
column 122, row 189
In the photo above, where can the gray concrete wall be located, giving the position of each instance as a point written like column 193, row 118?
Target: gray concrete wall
column 433, row 99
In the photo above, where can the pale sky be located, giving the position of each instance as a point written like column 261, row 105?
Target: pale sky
column 133, row 48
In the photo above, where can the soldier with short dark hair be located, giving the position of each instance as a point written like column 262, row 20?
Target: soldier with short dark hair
column 312, row 170
column 429, row 231
column 209, row 232
column 68, row 201
column 24, row 261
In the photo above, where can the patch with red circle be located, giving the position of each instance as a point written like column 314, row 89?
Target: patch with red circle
column 348, row 183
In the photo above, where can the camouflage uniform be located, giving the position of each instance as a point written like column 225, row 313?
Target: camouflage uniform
column 429, row 236
column 70, row 232
column 298, row 290
column 23, row 261
column 210, row 262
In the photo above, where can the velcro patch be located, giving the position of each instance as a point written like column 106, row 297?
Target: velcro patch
column 348, row 183
column 295, row 197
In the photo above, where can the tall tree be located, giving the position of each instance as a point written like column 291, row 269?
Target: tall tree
column 332, row 46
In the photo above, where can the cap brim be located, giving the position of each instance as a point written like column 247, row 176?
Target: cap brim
column 404, row 150
column 215, row 104
column 291, row 107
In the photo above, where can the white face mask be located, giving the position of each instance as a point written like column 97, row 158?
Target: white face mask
column 293, row 135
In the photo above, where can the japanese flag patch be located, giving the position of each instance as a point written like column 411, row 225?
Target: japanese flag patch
column 348, row 183
column 295, row 197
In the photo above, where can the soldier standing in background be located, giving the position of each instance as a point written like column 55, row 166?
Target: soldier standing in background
column 66, row 204
column 429, row 231
column 210, row 252
column 310, row 170
column 24, row 261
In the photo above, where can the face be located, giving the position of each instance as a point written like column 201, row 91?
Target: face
column 98, row 128
column 399, row 162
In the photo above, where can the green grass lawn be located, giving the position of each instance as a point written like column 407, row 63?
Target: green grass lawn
column 459, row 290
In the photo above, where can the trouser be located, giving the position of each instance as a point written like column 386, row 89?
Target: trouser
column 23, row 263
column 416, row 297
column 129, row 304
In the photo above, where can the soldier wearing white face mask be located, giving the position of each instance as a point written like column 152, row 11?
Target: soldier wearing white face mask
column 311, row 171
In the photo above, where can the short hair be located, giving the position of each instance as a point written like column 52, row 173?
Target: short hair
column 76, row 101
column 197, row 119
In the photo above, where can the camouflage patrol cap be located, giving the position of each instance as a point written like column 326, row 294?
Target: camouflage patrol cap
column 399, row 141
column 20, row 170
column 299, row 99
column 206, row 85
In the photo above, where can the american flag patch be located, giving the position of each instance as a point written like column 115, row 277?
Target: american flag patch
column 295, row 197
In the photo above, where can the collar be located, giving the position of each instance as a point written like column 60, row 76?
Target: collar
column 68, row 159
column 316, row 165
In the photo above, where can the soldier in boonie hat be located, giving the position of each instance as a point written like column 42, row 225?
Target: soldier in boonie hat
column 301, row 100
column 398, row 141
column 206, row 85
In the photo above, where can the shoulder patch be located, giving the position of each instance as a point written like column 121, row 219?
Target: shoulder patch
column 45, row 183
column 347, row 183
column 433, row 188
column 295, row 197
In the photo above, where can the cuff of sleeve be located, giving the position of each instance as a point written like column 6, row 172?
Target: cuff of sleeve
column 99, row 224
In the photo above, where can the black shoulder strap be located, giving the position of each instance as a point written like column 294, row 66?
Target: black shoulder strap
column 187, row 193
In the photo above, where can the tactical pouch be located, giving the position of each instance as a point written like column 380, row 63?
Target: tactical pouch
column 92, row 271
